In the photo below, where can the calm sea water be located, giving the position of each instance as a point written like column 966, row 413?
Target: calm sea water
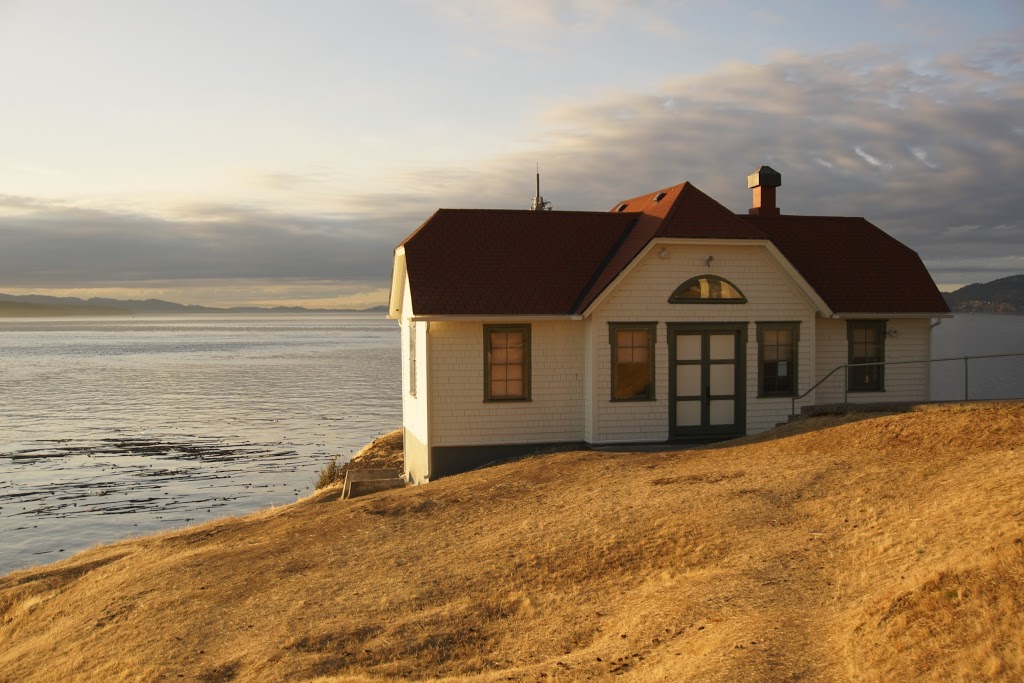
column 119, row 426
column 113, row 427
column 978, row 334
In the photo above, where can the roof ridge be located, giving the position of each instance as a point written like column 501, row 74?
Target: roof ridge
column 529, row 211
column 692, row 201
column 683, row 187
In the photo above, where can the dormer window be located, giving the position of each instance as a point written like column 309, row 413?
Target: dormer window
column 707, row 289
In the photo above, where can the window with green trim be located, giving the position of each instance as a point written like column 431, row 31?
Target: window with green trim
column 777, row 345
column 632, row 347
column 707, row 289
column 506, row 362
column 867, row 345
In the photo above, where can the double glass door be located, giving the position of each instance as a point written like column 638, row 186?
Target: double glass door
column 707, row 380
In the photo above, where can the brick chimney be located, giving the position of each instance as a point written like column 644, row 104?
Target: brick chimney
column 764, row 181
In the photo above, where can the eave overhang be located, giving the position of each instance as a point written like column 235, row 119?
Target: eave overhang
column 875, row 316
column 397, row 284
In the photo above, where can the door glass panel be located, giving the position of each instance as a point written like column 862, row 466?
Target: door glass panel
column 722, row 346
column 688, row 347
column 688, row 380
column 688, row 414
column 723, row 379
column 722, row 412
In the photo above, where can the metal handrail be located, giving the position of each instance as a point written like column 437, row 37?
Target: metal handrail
column 846, row 384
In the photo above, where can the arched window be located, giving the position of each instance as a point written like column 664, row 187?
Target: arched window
column 707, row 289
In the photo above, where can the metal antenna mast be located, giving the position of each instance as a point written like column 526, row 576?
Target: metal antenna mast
column 538, row 202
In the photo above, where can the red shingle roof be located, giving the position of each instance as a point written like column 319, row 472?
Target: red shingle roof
column 681, row 211
column 500, row 262
column 853, row 265
column 487, row 262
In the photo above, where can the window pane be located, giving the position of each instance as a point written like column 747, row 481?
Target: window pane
column 722, row 412
column 723, row 346
column 867, row 345
column 507, row 371
column 688, row 380
column 727, row 291
column 723, row 378
column 688, row 413
column 778, row 360
column 632, row 380
column 688, row 347
column 707, row 288
column 632, row 372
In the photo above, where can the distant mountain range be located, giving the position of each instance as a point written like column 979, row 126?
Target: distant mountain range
column 1005, row 295
column 38, row 305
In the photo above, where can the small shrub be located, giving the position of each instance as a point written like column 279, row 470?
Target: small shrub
column 329, row 475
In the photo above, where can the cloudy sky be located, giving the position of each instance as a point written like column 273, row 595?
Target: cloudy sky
column 275, row 151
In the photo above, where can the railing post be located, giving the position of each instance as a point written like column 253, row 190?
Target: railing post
column 965, row 380
column 846, row 387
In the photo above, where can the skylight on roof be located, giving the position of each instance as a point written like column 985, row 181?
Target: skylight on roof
column 658, row 197
column 622, row 207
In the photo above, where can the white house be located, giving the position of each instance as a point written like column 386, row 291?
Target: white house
column 668, row 318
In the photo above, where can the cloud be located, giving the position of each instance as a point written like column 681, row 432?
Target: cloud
column 53, row 244
column 874, row 161
column 916, row 149
column 921, row 150
column 525, row 17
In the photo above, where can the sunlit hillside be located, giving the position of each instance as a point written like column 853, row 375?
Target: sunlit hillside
column 858, row 548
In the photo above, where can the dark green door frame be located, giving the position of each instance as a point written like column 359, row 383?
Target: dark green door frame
column 706, row 430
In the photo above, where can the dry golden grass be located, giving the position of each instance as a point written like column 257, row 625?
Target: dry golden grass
column 859, row 548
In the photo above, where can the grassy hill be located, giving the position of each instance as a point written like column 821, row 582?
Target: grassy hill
column 858, row 548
